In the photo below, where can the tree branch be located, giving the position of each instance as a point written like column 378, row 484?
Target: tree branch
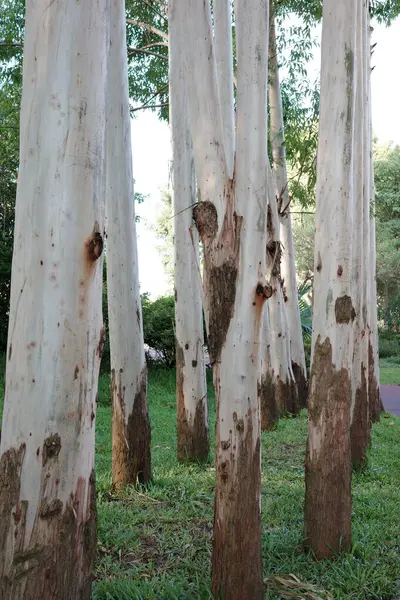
column 143, row 51
column 154, row 30
column 144, row 106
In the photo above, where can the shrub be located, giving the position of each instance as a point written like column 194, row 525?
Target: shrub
column 159, row 328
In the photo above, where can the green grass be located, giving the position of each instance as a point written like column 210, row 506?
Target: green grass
column 156, row 543
column 390, row 370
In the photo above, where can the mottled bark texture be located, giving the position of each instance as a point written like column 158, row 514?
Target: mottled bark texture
column 234, row 541
column 375, row 400
column 59, row 559
column 360, row 431
column 301, row 385
column 328, row 484
column 131, row 456
column 268, row 403
column 193, row 441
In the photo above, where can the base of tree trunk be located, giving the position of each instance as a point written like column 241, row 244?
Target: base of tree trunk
column 286, row 396
column 327, row 512
column 360, row 430
column 131, row 451
column 193, row 443
column 268, row 405
column 62, row 546
column 301, row 385
column 375, row 401
column 236, row 556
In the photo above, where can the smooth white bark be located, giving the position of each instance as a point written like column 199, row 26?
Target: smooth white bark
column 231, row 219
column 131, row 444
column 288, row 265
column 224, row 60
column 328, row 472
column 55, row 329
column 192, row 407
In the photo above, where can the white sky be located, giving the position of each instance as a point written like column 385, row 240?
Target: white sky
column 152, row 150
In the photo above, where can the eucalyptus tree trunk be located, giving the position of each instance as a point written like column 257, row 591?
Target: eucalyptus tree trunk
column 131, row 458
column 374, row 397
column 328, row 460
column 360, row 422
column 55, row 339
column 191, row 389
column 288, row 265
column 281, row 391
column 268, row 399
column 231, row 220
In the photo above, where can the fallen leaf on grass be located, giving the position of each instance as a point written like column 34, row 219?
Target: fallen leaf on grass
column 292, row 588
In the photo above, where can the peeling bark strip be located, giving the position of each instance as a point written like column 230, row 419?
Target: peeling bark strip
column 131, row 456
column 192, row 437
column 328, row 466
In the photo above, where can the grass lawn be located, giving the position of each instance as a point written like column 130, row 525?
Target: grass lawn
column 390, row 370
column 156, row 543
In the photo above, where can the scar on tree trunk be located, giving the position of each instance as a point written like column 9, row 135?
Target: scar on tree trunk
column 131, row 453
column 57, row 565
column 193, row 441
column 238, row 541
column 269, row 407
column 327, row 512
column 360, row 431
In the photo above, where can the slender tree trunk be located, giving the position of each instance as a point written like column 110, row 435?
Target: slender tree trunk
column 268, row 398
column 131, row 458
column 191, row 389
column 231, row 221
column 282, row 391
column 288, row 265
column 328, row 460
column 55, row 340
column 360, row 421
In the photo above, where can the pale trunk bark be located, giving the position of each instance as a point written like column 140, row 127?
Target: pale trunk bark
column 288, row 265
column 131, row 458
column 360, row 423
column 55, row 340
column 231, row 221
column 328, row 460
column 283, row 386
column 191, row 389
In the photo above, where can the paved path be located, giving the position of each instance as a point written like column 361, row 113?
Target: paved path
column 391, row 398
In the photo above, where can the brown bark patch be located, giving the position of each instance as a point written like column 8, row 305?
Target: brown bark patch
column 344, row 310
column 94, row 245
column 236, row 555
column 51, row 447
column 327, row 513
column 101, row 344
column 206, row 218
column 131, row 452
column 360, row 430
column 192, row 440
column 59, row 558
column 268, row 405
column 222, row 290
column 301, row 385
column 374, row 396
column 286, row 396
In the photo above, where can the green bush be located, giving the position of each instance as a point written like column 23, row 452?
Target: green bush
column 389, row 344
column 159, row 327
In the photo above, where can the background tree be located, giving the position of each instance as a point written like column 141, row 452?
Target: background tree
column 131, row 457
column 47, row 495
